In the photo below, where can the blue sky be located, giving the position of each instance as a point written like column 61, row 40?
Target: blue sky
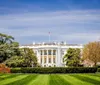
column 73, row 21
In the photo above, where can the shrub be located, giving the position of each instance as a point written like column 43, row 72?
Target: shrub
column 16, row 70
column 98, row 69
column 4, row 69
column 98, row 66
column 55, row 70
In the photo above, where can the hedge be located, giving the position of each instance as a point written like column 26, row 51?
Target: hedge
column 54, row 70
column 16, row 70
column 98, row 69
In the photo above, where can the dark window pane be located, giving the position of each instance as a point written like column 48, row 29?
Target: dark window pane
column 49, row 52
column 49, row 60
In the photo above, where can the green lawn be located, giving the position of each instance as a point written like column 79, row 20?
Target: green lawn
column 49, row 79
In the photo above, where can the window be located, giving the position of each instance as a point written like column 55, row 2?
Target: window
column 41, row 52
column 49, row 52
column 49, row 60
column 54, row 60
column 41, row 59
column 44, row 60
column 45, row 52
column 54, row 52
column 62, row 52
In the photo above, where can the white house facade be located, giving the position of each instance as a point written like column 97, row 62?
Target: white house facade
column 51, row 54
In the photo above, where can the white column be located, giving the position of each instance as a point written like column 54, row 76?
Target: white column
column 56, row 57
column 59, row 57
column 43, row 58
column 52, row 56
column 47, row 58
column 38, row 55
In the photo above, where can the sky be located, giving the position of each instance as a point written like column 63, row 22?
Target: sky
column 72, row 21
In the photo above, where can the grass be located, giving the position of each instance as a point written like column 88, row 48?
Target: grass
column 50, row 79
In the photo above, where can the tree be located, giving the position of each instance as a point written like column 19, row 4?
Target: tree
column 91, row 52
column 4, row 52
column 5, row 38
column 26, row 59
column 8, row 47
column 11, row 54
column 15, row 47
column 15, row 61
column 9, row 50
column 72, row 58
column 30, row 57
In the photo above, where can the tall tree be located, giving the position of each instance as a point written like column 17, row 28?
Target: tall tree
column 15, row 61
column 72, row 57
column 26, row 59
column 5, row 38
column 8, row 47
column 91, row 52
column 30, row 57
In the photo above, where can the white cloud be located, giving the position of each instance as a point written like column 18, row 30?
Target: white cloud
column 64, row 25
column 49, row 18
column 81, row 37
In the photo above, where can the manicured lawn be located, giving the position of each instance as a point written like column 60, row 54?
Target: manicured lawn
column 49, row 79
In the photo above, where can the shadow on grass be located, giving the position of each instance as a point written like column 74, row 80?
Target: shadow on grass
column 95, row 75
column 57, row 80
column 87, row 79
column 1, row 74
column 24, row 81
column 10, row 76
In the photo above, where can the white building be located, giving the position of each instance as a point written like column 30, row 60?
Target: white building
column 51, row 54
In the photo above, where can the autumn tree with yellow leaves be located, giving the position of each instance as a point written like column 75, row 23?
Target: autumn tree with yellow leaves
column 91, row 51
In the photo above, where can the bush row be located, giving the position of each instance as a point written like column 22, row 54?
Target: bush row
column 55, row 70
column 98, row 69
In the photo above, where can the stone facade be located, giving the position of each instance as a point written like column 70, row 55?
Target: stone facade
column 51, row 54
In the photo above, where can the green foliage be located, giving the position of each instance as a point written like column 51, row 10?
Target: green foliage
column 72, row 58
column 13, row 56
column 30, row 57
column 55, row 70
column 15, row 61
column 27, row 58
column 15, row 70
column 5, row 38
column 98, row 69
column 8, row 47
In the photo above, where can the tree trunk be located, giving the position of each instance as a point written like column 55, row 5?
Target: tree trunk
column 95, row 63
